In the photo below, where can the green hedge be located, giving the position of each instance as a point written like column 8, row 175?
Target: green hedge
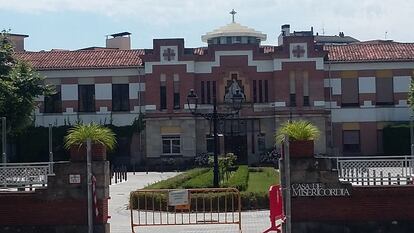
column 179, row 180
column 239, row 179
column 254, row 197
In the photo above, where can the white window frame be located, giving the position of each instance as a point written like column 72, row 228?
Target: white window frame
column 171, row 138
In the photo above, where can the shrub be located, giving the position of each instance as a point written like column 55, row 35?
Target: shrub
column 78, row 135
column 254, row 200
column 297, row 130
column 270, row 156
column 225, row 162
column 177, row 181
column 239, row 179
column 201, row 159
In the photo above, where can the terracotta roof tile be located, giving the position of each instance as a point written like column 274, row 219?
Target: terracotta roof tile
column 371, row 52
column 83, row 59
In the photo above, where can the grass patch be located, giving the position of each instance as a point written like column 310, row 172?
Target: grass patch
column 239, row 179
column 253, row 184
column 204, row 180
column 261, row 181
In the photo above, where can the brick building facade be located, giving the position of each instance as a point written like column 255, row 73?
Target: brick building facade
column 349, row 90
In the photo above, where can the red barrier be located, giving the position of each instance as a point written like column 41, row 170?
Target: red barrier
column 276, row 208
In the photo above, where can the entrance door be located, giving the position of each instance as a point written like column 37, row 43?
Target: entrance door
column 238, row 146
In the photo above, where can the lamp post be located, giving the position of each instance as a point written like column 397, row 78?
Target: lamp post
column 237, row 99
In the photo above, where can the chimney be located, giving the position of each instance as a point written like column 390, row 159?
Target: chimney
column 285, row 30
column 119, row 41
column 17, row 41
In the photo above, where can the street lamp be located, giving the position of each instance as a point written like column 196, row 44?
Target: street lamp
column 237, row 99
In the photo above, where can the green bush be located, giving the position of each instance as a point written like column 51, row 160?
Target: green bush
column 239, row 179
column 179, row 180
column 204, row 180
column 254, row 200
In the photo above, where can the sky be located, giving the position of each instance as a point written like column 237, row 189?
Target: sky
column 74, row 24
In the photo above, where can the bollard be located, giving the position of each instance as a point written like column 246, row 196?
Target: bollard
column 276, row 208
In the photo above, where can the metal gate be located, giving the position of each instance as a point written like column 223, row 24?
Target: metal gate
column 165, row 207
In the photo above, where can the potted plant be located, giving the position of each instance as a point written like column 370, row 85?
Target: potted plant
column 102, row 139
column 301, row 135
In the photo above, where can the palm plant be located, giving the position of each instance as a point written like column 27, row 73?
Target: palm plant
column 98, row 134
column 300, row 130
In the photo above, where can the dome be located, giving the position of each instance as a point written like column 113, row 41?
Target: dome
column 234, row 30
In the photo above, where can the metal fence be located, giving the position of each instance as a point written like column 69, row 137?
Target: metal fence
column 24, row 175
column 118, row 174
column 204, row 206
column 376, row 170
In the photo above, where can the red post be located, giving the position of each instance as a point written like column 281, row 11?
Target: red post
column 276, row 208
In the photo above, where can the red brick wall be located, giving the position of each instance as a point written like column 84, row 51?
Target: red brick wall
column 364, row 204
column 32, row 209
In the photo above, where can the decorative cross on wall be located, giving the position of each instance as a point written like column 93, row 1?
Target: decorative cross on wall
column 168, row 54
column 298, row 51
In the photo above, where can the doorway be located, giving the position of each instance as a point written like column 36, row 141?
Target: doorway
column 238, row 146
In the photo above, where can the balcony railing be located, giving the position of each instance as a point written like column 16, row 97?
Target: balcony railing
column 376, row 170
column 23, row 175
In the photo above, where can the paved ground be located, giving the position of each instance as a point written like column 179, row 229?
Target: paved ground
column 252, row 221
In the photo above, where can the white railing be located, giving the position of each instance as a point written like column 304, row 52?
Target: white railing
column 376, row 170
column 22, row 175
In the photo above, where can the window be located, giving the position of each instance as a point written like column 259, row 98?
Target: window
column 305, row 89
column 254, row 91
column 53, row 103
column 210, row 144
column 163, row 93
column 86, row 98
column 292, row 89
column 260, row 91
column 351, row 141
column 261, row 143
column 380, row 141
column 238, row 39
column 120, row 97
column 176, row 86
column 171, row 145
column 203, row 98
column 384, row 92
column 350, row 92
column 228, row 40
column 208, row 91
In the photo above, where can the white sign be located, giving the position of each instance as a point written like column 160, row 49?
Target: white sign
column 74, row 179
column 178, row 197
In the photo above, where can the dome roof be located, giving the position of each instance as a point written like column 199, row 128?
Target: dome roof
column 233, row 29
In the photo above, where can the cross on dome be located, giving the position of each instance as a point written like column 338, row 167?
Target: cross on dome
column 233, row 12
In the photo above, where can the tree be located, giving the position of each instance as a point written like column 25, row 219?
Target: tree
column 19, row 86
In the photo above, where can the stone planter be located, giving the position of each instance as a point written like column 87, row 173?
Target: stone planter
column 78, row 154
column 301, row 149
